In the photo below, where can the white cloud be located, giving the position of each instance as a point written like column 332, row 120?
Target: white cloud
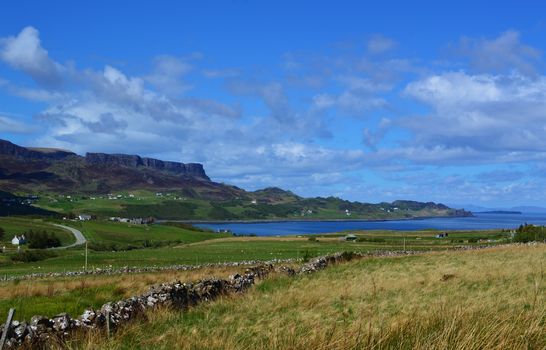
column 24, row 52
column 11, row 125
column 378, row 44
column 167, row 75
column 505, row 52
column 500, row 117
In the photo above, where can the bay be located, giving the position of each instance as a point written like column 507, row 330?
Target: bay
column 480, row 221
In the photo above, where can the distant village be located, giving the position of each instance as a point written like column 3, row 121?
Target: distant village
column 135, row 221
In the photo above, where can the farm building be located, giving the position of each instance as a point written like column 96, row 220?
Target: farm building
column 84, row 217
column 18, row 240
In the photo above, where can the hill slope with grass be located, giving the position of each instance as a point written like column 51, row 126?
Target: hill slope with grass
column 129, row 185
column 488, row 299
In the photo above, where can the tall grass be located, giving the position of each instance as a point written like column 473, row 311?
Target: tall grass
column 74, row 294
column 493, row 299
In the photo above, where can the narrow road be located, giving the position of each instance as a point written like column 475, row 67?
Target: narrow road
column 80, row 239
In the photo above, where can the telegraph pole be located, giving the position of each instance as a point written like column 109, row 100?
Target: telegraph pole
column 85, row 255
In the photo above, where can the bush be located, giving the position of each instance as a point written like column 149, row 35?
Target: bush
column 312, row 239
column 307, row 256
column 530, row 233
column 2, row 233
column 33, row 255
column 41, row 239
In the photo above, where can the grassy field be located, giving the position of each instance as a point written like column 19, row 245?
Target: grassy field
column 18, row 225
column 204, row 249
column 124, row 233
column 488, row 299
column 185, row 246
column 208, row 251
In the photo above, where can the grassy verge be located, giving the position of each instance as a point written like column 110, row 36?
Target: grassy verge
column 490, row 299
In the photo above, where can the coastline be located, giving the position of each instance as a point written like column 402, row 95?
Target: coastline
column 269, row 221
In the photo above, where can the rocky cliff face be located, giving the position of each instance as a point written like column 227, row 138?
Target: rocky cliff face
column 9, row 149
column 27, row 169
column 134, row 161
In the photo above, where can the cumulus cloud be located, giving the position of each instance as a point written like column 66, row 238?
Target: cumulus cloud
column 360, row 94
column 167, row 75
column 371, row 138
column 505, row 52
column 500, row 116
column 31, row 94
column 24, row 52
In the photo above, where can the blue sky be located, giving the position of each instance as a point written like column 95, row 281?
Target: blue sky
column 369, row 102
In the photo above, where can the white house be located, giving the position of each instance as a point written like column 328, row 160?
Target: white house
column 18, row 240
column 84, row 217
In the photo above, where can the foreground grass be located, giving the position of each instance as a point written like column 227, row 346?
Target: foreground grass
column 75, row 294
column 490, row 299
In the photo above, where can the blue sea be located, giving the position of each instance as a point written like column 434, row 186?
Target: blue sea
column 480, row 221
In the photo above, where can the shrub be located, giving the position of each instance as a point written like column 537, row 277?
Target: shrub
column 42, row 239
column 307, row 255
column 2, row 232
column 530, row 233
column 33, row 255
column 312, row 239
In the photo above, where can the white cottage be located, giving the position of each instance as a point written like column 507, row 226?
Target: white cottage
column 18, row 240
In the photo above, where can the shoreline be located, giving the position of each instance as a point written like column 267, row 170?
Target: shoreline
column 269, row 221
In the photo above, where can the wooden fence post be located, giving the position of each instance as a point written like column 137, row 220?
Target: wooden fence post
column 6, row 328
column 108, row 327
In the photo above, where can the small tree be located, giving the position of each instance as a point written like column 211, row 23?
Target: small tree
column 2, row 233
column 42, row 239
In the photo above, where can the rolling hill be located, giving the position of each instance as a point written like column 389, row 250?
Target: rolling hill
column 63, row 181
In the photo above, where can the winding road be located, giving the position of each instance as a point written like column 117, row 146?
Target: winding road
column 80, row 239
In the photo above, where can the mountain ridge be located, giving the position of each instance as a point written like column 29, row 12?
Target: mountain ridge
column 33, row 169
column 46, row 171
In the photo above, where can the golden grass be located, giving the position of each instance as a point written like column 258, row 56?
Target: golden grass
column 126, row 284
column 489, row 299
